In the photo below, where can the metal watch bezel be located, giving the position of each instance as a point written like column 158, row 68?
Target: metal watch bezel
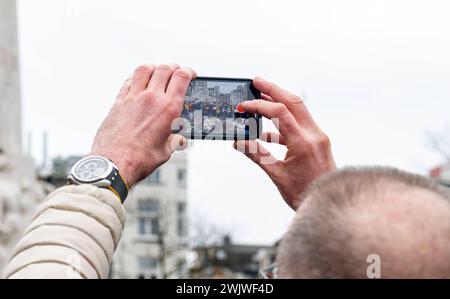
column 100, row 181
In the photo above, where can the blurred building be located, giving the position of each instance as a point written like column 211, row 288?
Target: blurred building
column 59, row 170
column 20, row 191
column 229, row 261
column 442, row 173
column 238, row 95
column 199, row 87
column 154, row 242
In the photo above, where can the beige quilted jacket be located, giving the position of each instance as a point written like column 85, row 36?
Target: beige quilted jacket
column 72, row 235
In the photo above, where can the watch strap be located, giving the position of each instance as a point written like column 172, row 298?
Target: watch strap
column 118, row 185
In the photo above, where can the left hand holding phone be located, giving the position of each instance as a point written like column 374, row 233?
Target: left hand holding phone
column 136, row 134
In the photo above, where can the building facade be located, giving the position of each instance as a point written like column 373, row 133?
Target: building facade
column 232, row 261
column 154, row 241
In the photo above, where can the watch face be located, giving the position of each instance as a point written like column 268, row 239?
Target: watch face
column 92, row 169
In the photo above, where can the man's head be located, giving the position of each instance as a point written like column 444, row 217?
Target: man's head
column 356, row 212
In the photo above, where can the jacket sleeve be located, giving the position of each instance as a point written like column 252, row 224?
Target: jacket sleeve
column 72, row 235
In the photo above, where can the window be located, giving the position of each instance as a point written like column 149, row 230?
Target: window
column 154, row 178
column 148, row 212
column 181, row 176
column 181, row 227
column 145, row 206
column 147, row 263
column 148, row 226
column 181, row 208
column 181, row 219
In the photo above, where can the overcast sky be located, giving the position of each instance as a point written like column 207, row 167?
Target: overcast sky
column 375, row 75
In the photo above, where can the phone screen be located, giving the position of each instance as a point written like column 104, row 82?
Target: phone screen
column 211, row 110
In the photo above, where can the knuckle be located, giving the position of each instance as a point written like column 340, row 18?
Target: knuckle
column 173, row 109
column 323, row 141
column 281, row 109
column 149, row 94
column 143, row 69
column 165, row 67
column 183, row 73
column 297, row 99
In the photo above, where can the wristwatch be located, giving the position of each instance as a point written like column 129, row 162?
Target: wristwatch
column 100, row 172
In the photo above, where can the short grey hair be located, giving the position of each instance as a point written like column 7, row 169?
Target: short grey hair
column 320, row 244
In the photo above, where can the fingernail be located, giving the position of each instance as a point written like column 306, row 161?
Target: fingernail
column 240, row 109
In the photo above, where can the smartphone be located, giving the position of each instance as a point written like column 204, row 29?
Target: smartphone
column 211, row 110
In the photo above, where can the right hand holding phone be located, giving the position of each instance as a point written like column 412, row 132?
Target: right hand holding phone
column 308, row 148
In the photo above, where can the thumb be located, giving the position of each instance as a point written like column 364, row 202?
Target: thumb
column 176, row 142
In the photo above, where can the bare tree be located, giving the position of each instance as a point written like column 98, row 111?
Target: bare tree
column 205, row 232
column 163, row 234
column 170, row 257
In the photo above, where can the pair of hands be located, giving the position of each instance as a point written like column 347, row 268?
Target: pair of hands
column 136, row 134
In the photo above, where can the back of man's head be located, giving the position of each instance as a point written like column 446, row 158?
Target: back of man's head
column 403, row 219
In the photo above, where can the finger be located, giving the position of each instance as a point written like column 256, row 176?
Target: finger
column 179, row 84
column 125, row 89
column 141, row 77
column 177, row 143
column 161, row 77
column 279, row 114
column 272, row 137
column 267, row 98
column 293, row 102
column 258, row 154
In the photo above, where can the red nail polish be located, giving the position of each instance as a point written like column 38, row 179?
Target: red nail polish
column 240, row 109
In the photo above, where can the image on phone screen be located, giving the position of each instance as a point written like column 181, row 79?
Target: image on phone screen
column 211, row 110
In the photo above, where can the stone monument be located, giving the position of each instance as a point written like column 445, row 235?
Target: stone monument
column 20, row 191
